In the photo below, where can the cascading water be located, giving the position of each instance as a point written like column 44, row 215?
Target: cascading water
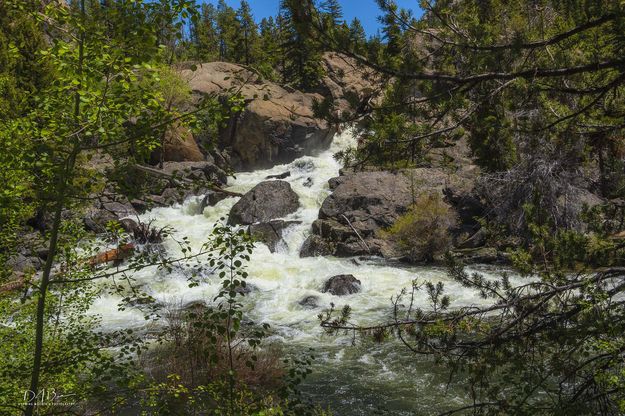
column 367, row 379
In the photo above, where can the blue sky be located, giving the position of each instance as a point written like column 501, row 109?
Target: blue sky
column 366, row 10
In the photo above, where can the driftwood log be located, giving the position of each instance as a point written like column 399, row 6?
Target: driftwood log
column 116, row 254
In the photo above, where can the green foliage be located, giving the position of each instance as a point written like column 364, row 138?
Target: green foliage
column 491, row 139
column 302, row 65
column 423, row 232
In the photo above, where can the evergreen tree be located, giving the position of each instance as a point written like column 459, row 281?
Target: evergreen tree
column 391, row 29
column 302, row 51
column 21, row 38
column 357, row 37
column 204, row 34
column 332, row 13
column 269, row 48
column 247, row 35
column 227, row 27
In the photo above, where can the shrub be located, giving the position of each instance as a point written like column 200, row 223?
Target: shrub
column 423, row 231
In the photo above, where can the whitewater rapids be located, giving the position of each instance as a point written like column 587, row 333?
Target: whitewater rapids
column 282, row 279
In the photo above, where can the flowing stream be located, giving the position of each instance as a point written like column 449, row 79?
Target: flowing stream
column 353, row 380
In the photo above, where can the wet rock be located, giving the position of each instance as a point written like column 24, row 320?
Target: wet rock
column 309, row 302
column 215, row 174
column 308, row 182
column 195, row 307
column 332, row 230
column 129, row 225
column 245, row 290
column 315, row 246
column 211, row 199
column 335, row 182
column 279, row 176
column 140, row 205
column 304, row 165
column 102, row 213
column 342, row 284
column 266, row 201
column 175, row 195
column 270, row 233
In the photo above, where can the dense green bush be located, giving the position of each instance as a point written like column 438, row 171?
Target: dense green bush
column 423, row 231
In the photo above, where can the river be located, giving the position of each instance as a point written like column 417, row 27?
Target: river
column 353, row 380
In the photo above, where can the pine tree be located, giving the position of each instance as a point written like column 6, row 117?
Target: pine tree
column 204, row 34
column 247, row 35
column 333, row 13
column 226, row 30
column 357, row 37
column 21, row 37
column 391, row 29
column 302, row 51
column 269, row 55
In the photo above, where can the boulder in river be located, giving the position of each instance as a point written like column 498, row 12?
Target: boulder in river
column 211, row 199
column 104, row 211
column 315, row 246
column 266, row 201
column 353, row 220
column 342, row 284
column 310, row 302
column 270, row 232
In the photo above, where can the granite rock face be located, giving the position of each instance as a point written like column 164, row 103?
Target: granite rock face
column 276, row 125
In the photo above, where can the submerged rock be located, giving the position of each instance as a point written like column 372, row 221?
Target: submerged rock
column 342, row 284
column 265, row 202
column 270, row 232
column 211, row 199
column 309, row 302
column 279, row 176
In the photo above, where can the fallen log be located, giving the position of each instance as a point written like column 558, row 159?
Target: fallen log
column 116, row 254
column 19, row 283
column 180, row 181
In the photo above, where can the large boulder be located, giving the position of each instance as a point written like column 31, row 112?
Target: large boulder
column 277, row 124
column 178, row 146
column 341, row 285
column 266, row 201
column 353, row 218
